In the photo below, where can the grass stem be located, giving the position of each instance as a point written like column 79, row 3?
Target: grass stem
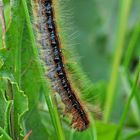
column 124, row 115
column 120, row 40
column 133, row 135
column 2, row 19
column 50, row 103
column 131, row 46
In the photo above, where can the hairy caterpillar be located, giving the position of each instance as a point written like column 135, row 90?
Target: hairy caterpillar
column 52, row 56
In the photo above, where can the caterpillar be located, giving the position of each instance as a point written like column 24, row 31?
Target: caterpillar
column 52, row 56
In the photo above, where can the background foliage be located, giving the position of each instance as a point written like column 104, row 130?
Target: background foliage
column 103, row 35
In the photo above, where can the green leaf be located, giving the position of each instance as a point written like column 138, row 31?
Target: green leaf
column 4, row 136
column 105, row 131
column 17, row 105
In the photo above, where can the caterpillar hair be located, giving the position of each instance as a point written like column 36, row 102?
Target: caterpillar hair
column 52, row 56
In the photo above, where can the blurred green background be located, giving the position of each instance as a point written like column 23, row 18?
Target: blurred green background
column 104, row 37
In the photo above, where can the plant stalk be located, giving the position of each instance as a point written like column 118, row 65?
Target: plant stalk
column 52, row 108
column 120, row 41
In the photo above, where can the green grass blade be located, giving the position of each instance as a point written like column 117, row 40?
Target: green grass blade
column 124, row 115
column 131, row 45
column 94, row 136
column 120, row 40
column 133, row 135
column 49, row 100
column 3, row 24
